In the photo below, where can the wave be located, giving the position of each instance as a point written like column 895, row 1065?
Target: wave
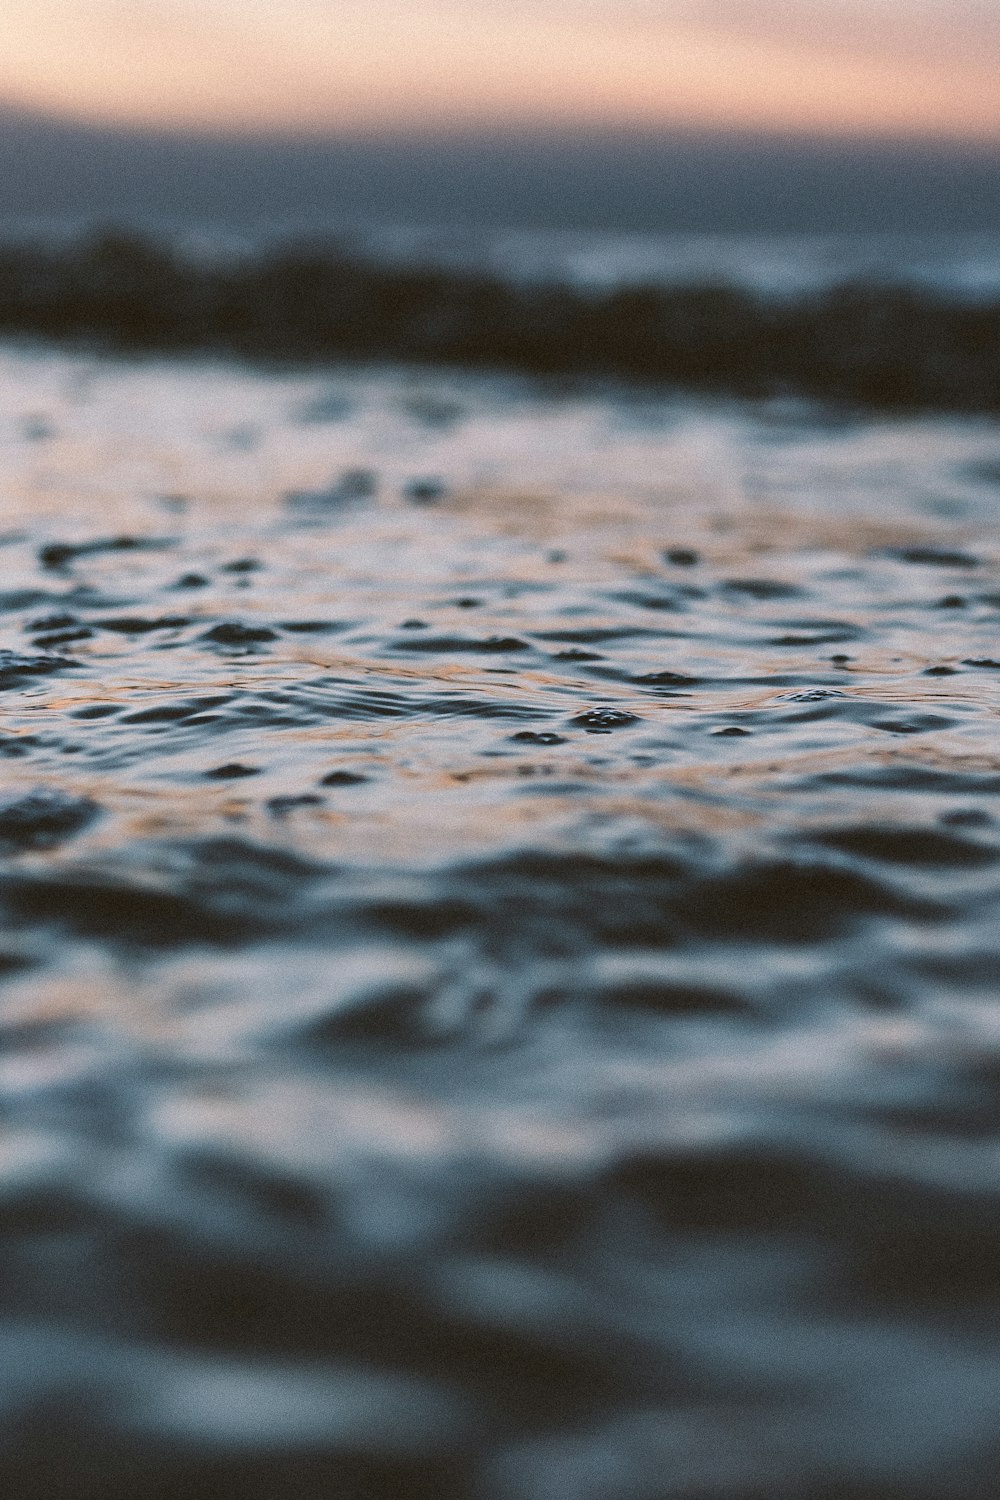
column 874, row 343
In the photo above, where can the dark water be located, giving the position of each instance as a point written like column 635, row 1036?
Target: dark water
column 500, row 952
column 893, row 324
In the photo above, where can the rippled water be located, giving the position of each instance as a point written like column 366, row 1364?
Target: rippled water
column 500, row 955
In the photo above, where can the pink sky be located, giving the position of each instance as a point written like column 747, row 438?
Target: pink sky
column 913, row 67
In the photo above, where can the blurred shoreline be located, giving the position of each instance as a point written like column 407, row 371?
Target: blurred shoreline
column 848, row 329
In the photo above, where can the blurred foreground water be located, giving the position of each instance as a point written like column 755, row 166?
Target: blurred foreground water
column 500, row 953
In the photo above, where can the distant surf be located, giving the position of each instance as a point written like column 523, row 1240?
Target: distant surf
column 864, row 338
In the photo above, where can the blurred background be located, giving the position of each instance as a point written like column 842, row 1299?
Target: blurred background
column 786, row 116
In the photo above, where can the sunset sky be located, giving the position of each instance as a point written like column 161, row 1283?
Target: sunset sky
column 878, row 67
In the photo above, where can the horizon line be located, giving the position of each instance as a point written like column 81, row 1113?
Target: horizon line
column 510, row 129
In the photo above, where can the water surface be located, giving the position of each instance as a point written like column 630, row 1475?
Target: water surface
column 500, row 889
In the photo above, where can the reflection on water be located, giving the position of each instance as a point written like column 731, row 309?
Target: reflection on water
column 498, row 979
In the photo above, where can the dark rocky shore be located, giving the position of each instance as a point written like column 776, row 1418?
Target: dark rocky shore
column 870, row 344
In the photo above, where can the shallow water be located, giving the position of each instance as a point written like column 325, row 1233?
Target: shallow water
column 500, row 952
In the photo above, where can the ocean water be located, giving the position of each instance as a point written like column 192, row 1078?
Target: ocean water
column 780, row 266
column 498, row 984
column 891, row 324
